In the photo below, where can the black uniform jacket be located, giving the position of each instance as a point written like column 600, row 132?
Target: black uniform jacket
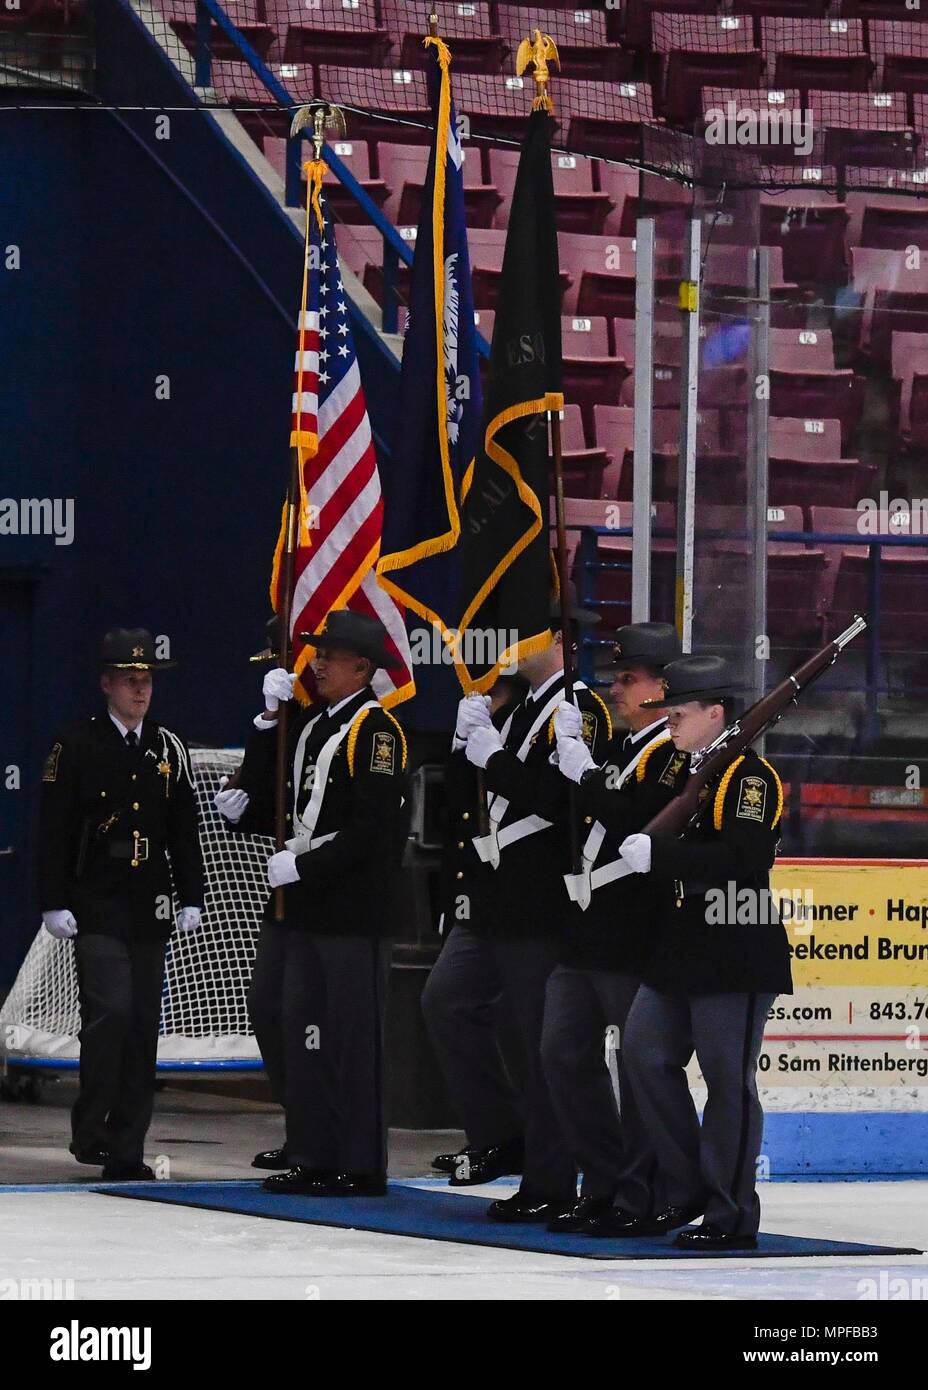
column 715, row 943
column 621, row 928
column 110, row 819
column 350, row 885
column 525, row 895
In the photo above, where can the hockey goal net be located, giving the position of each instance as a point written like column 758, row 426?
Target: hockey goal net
column 204, row 1017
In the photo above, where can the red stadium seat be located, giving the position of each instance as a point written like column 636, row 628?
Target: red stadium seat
column 894, row 228
column 606, row 118
column 803, row 439
column 715, row 50
column 182, row 15
column 835, row 395
column 469, row 30
column 863, row 128
column 328, row 31
column 903, row 580
column 614, row 431
column 388, row 92
column 899, row 48
column 809, row 226
column 797, row 349
column 817, row 53
column 403, row 169
column 580, row 35
column 639, row 17
column 591, row 375
column 583, row 467
column 577, row 207
column 353, row 153
column 819, row 482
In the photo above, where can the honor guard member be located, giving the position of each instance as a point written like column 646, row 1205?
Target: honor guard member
column 611, row 930
column 318, row 991
column 722, row 960
column 508, row 944
column 118, row 823
column 459, row 864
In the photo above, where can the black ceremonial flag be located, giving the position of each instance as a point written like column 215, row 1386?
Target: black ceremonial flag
column 506, row 562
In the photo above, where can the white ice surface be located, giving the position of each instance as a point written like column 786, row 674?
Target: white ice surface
column 114, row 1248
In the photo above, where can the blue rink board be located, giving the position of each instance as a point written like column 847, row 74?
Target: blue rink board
column 437, row 1215
column 854, row 1143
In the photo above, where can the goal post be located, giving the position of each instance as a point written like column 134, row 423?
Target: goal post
column 204, row 1015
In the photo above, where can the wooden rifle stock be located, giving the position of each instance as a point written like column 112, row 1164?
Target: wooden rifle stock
column 709, row 765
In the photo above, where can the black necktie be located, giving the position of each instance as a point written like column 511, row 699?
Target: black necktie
column 132, row 740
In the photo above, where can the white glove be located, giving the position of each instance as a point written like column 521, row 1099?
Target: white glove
column 473, row 713
column 278, row 685
column 482, row 744
column 232, row 803
column 567, row 721
column 281, row 868
column 574, row 758
column 60, row 922
column 636, row 851
column 189, row 919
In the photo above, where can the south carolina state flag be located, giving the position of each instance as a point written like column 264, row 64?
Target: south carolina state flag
column 440, row 404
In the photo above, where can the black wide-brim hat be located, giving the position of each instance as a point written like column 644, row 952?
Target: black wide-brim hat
column 272, row 651
column 584, row 617
column 646, row 644
column 695, row 678
column 131, row 649
column 355, row 632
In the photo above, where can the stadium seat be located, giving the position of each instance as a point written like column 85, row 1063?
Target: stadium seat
column 182, row 16
column 863, row 128
column 809, row 226
column 827, row 395
column 614, row 431
column 819, row 482
column 899, row 48
column 584, row 467
column 714, row 50
column 591, row 374
column 909, row 358
column 847, row 521
column 606, row 118
column 798, row 349
column 896, row 311
column 894, row 228
column 469, row 30
column 803, row 439
column 403, row 169
column 390, row 92
column 354, row 154
column 639, row 17
column 580, row 35
column 903, row 580
column 329, row 31
column 875, row 272
column 813, row 54
column 578, row 208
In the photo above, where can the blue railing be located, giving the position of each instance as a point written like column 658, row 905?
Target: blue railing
column 589, row 563
column 396, row 251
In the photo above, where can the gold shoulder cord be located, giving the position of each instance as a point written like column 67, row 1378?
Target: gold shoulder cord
column 639, row 770
column 603, row 706
column 355, row 730
column 719, row 804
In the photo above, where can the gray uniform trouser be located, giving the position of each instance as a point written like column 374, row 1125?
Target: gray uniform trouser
column 612, row 1149
column 713, row 1163
column 469, row 978
column 317, row 1003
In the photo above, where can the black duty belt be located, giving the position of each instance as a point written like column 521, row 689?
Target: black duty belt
column 135, row 850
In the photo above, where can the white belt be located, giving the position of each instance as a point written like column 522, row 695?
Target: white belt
column 301, row 844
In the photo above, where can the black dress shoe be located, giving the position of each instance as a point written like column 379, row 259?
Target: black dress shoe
column 670, row 1218
column 361, row 1185
column 309, row 1182
column 446, row 1163
column 711, row 1238
column 95, row 1155
column 483, row 1165
column 577, row 1217
column 128, row 1172
column 615, row 1223
column 534, row 1210
column 271, row 1158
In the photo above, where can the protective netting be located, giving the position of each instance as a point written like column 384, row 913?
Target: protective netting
column 829, row 95
column 204, row 1017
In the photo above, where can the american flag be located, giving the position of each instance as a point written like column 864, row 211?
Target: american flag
column 330, row 427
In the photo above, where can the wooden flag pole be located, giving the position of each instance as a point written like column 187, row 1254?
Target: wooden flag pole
column 284, row 657
column 567, row 627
